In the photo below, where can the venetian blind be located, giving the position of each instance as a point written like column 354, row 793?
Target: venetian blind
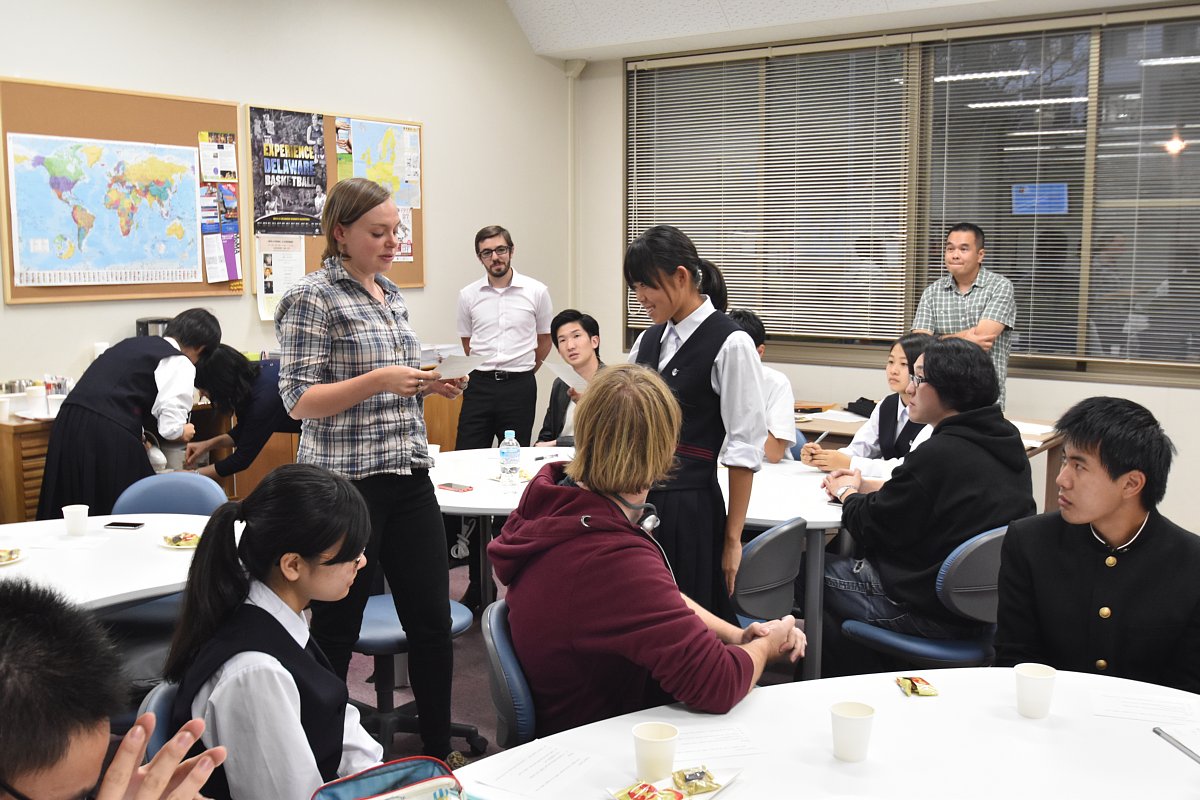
column 790, row 174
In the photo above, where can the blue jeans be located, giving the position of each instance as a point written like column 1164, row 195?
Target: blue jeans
column 853, row 590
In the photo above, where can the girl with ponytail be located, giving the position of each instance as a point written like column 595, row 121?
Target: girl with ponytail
column 242, row 655
column 712, row 367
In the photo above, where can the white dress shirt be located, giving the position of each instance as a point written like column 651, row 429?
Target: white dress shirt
column 175, row 377
column 251, row 706
column 865, row 452
column 503, row 324
column 736, row 377
column 780, row 408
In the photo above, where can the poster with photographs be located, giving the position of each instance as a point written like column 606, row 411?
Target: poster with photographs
column 287, row 151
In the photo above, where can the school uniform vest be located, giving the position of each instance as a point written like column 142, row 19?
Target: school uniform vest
column 323, row 695
column 120, row 385
column 890, row 444
column 689, row 374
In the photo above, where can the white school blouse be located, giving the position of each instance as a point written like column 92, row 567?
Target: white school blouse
column 864, row 450
column 251, row 706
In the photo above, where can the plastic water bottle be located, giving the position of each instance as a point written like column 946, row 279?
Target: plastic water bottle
column 510, row 460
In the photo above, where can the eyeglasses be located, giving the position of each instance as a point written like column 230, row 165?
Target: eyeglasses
column 4, row 787
column 917, row 380
column 484, row 255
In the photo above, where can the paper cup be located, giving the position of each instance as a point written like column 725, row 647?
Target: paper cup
column 35, row 401
column 76, row 518
column 1035, row 689
column 851, row 730
column 54, row 403
column 654, row 750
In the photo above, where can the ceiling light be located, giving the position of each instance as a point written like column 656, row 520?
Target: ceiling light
column 980, row 76
column 1168, row 62
column 1050, row 101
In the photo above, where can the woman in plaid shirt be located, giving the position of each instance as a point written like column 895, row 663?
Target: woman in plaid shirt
column 351, row 371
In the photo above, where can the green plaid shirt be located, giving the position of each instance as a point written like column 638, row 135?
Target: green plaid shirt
column 943, row 310
column 330, row 330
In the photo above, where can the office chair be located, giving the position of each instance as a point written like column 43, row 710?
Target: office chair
column 171, row 493
column 766, row 578
column 515, row 715
column 160, row 700
column 967, row 586
column 798, row 446
column 382, row 637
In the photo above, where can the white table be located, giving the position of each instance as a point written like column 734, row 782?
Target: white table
column 103, row 568
column 969, row 742
column 781, row 492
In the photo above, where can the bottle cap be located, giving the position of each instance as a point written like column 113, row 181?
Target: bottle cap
column 510, row 434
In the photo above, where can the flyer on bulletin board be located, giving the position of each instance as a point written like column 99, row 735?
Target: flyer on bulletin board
column 287, row 154
column 280, row 264
column 218, row 157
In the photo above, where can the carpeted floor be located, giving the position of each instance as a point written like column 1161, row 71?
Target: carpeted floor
column 472, row 701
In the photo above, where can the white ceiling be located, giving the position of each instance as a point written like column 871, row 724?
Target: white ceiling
column 603, row 29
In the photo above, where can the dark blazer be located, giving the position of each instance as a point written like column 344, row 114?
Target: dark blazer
column 1057, row 579
column 556, row 413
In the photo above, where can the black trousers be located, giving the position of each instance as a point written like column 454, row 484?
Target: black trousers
column 408, row 543
column 490, row 407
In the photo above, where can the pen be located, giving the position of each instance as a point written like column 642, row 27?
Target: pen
column 821, row 438
column 1183, row 748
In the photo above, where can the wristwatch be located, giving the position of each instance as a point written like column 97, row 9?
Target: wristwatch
column 841, row 492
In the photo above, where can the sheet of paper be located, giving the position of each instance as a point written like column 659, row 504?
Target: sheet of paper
column 702, row 744
column 838, row 416
column 281, row 264
column 1165, row 711
column 458, row 366
column 536, row 770
column 1032, row 428
column 1030, row 444
column 568, row 375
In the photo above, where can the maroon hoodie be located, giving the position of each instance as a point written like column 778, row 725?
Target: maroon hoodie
column 597, row 621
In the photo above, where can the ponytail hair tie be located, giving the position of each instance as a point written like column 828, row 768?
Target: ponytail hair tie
column 239, row 527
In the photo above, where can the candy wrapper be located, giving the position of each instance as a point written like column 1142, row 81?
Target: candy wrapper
column 696, row 780
column 918, row 686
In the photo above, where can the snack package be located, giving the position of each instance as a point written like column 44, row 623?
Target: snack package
column 639, row 791
column 695, row 780
column 915, row 685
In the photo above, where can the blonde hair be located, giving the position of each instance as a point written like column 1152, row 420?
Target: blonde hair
column 348, row 200
column 626, row 430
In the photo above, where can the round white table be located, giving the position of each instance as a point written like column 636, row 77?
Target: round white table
column 968, row 742
column 781, row 492
column 103, row 568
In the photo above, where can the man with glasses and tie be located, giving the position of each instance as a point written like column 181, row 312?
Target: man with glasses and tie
column 504, row 316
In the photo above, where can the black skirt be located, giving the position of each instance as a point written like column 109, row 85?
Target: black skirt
column 692, row 534
column 91, row 460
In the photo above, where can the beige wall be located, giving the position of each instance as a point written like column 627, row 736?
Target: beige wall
column 494, row 114
column 599, row 126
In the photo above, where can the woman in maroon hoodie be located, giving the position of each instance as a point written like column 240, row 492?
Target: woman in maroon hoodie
column 598, row 623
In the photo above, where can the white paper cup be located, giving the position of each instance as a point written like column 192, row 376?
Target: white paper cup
column 76, row 518
column 54, row 403
column 654, row 750
column 35, row 401
column 851, row 730
column 1035, row 689
column 4, row 409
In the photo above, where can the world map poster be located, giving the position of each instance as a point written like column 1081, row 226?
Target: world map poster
column 93, row 211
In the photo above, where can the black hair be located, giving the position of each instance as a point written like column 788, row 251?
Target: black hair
column 489, row 232
column 962, row 374
column 967, row 227
column 59, row 676
column 227, row 376
column 660, row 250
column 297, row 508
column 913, row 345
column 196, row 327
column 751, row 324
column 569, row 315
column 1126, row 436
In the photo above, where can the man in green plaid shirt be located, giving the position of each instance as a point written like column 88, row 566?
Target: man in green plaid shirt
column 970, row 302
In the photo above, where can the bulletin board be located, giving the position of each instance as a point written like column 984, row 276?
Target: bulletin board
column 405, row 274
column 28, row 107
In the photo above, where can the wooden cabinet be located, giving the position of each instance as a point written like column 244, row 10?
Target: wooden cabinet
column 441, row 420
column 22, row 461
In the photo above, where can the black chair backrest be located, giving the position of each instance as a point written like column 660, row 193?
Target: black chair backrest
column 766, row 579
column 967, row 582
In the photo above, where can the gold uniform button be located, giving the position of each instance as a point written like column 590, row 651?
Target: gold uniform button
column 1111, row 561
column 1105, row 612
column 1101, row 664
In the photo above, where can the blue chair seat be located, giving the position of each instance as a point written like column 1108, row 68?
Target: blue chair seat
column 382, row 634
column 919, row 651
